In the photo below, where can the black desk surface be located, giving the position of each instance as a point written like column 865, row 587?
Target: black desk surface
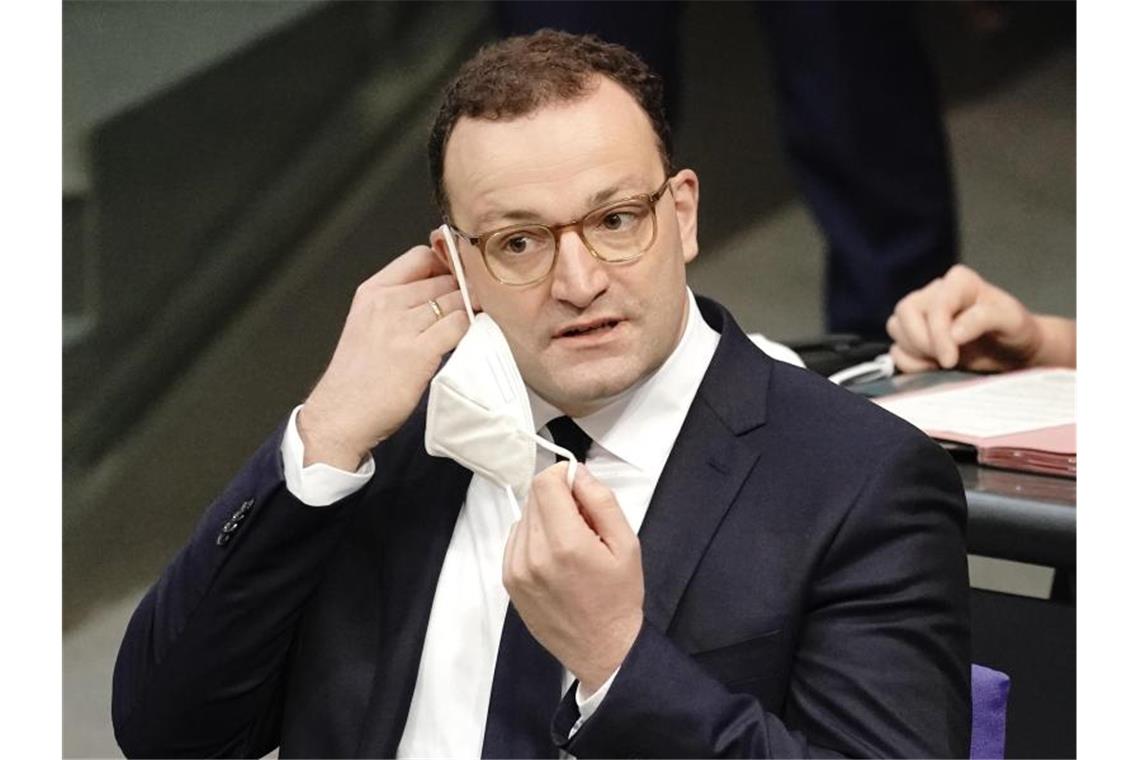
column 1020, row 516
column 1012, row 515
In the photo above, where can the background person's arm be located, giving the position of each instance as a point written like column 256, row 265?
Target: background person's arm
column 961, row 320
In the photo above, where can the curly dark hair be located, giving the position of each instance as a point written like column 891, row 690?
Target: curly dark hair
column 518, row 75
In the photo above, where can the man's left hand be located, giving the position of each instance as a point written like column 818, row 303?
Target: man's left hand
column 573, row 569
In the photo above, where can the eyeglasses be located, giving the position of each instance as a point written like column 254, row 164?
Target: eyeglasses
column 615, row 232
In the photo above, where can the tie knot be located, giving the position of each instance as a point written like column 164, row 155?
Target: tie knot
column 568, row 435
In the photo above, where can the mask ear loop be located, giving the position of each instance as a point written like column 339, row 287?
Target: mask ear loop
column 457, row 267
column 571, row 471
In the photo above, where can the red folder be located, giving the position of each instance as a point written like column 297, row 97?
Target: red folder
column 1051, row 450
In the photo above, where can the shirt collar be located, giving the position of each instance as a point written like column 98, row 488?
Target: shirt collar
column 640, row 425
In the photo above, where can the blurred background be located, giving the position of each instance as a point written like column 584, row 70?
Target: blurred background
column 232, row 170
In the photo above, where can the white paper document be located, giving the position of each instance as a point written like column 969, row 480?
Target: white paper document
column 999, row 405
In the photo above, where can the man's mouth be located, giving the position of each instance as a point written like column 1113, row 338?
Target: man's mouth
column 593, row 327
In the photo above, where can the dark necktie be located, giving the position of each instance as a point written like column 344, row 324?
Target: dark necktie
column 528, row 680
column 568, row 435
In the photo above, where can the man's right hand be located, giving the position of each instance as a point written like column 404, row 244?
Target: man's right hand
column 390, row 348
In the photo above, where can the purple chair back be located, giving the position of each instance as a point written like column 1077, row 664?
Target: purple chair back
column 990, row 691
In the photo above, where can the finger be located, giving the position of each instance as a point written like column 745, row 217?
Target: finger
column 975, row 322
column 445, row 334
column 938, row 321
column 914, row 335
column 535, row 550
column 413, row 294
column 417, row 263
column 556, row 506
column 602, row 510
column 912, row 332
column 908, row 362
column 424, row 316
column 965, row 281
column 961, row 288
column 533, row 525
column 894, row 328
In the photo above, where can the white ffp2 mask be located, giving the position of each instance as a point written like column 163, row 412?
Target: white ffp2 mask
column 478, row 411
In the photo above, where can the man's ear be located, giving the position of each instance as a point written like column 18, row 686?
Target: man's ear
column 686, row 196
column 439, row 248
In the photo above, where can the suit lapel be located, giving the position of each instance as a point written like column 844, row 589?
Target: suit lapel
column 709, row 462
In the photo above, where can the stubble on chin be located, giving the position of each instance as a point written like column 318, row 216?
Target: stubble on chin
column 584, row 388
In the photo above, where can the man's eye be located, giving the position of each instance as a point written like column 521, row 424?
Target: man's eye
column 517, row 245
column 617, row 220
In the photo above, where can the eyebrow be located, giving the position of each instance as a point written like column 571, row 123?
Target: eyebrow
column 529, row 215
column 602, row 196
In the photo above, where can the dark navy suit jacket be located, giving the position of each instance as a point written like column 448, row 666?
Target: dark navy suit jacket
column 806, row 595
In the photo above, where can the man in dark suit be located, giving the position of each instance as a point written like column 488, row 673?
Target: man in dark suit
column 752, row 563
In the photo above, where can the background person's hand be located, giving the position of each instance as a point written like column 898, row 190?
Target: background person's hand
column 960, row 320
column 572, row 566
column 389, row 349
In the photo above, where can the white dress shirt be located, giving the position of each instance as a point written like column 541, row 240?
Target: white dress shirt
column 632, row 438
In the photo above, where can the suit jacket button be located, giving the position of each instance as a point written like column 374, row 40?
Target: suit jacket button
column 246, row 506
column 238, row 516
column 223, row 539
column 229, row 527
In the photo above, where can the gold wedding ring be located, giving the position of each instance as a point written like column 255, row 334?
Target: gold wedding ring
column 435, row 307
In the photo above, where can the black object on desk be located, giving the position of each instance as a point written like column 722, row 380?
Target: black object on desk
column 828, row 354
column 912, row 382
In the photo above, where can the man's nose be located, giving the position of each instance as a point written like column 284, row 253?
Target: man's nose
column 579, row 277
